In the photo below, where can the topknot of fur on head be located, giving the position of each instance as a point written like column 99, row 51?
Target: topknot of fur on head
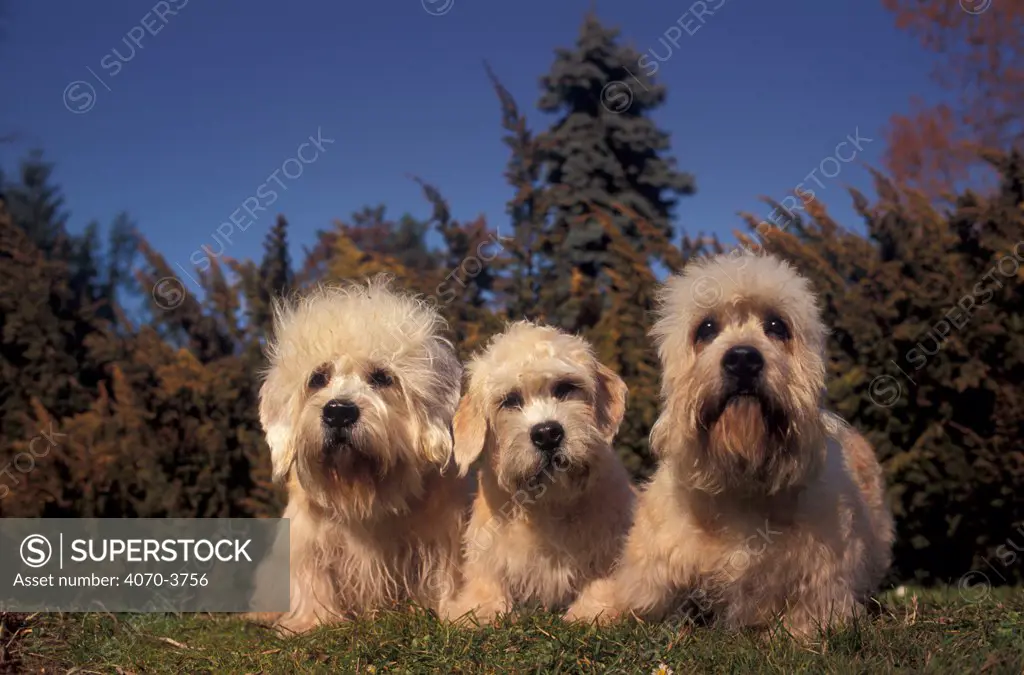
column 314, row 316
column 522, row 344
column 729, row 279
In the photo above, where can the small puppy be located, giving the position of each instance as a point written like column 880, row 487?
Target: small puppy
column 763, row 505
column 554, row 502
column 357, row 407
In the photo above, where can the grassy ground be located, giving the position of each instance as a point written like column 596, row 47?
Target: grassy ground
column 921, row 632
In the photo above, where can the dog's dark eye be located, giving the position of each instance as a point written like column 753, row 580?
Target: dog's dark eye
column 512, row 400
column 564, row 390
column 706, row 331
column 380, row 378
column 775, row 327
column 319, row 379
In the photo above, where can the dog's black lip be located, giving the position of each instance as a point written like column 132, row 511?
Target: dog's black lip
column 774, row 416
column 336, row 439
column 551, row 467
column 347, row 461
column 339, row 445
column 549, row 461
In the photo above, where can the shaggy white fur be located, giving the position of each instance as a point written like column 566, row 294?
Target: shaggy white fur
column 374, row 520
column 545, row 521
column 763, row 506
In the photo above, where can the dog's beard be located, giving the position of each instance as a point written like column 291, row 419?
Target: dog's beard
column 563, row 475
column 748, row 440
column 562, row 470
column 349, row 475
column 759, row 412
column 344, row 460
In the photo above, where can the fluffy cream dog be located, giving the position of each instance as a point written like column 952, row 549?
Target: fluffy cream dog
column 763, row 506
column 357, row 407
column 554, row 502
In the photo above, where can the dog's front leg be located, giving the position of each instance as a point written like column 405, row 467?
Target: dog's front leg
column 313, row 600
column 640, row 591
column 484, row 595
column 313, row 586
column 597, row 601
column 641, row 585
column 819, row 609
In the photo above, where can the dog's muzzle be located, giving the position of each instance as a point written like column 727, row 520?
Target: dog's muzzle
column 742, row 371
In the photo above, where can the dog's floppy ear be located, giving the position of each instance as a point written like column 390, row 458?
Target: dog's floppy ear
column 441, row 401
column 444, row 401
column 659, row 438
column 668, row 431
column 273, row 417
column 470, row 433
column 611, row 401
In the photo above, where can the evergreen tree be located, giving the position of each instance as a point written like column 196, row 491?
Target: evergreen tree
column 60, row 328
column 521, row 287
column 261, row 284
column 57, row 300
column 36, row 204
column 603, row 151
column 464, row 287
column 405, row 240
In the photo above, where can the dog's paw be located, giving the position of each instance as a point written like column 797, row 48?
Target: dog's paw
column 479, row 617
column 477, row 606
column 596, row 604
column 588, row 613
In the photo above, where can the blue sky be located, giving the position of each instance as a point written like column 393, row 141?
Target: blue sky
column 218, row 95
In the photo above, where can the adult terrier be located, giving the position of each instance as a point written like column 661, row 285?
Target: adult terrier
column 763, row 506
column 357, row 407
column 554, row 502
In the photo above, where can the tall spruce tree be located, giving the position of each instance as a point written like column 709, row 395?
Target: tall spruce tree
column 36, row 204
column 273, row 278
column 603, row 152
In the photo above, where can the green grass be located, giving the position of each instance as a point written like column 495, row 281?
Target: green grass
column 922, row 632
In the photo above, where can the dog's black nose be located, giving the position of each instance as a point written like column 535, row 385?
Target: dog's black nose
column 340, row 413
column 744, row 363
column 547, row 436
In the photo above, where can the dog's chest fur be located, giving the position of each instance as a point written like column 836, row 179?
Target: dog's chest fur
column 759, row 563
column 358, row 566
column 376, row 570
column 543, row 566
column 545, row 552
